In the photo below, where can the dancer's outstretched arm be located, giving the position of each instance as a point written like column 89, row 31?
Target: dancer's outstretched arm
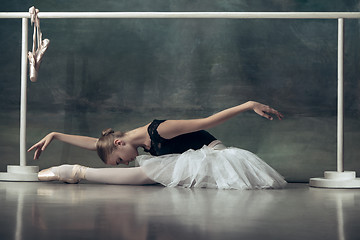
column 173, row 128
column 88, row 143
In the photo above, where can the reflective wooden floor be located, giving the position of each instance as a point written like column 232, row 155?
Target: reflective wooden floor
column 96, row 211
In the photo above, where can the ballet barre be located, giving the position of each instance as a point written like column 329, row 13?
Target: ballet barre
column 332, row 179
column 223, row 15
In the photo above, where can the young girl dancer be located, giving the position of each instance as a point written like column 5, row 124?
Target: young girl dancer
column 183, row 154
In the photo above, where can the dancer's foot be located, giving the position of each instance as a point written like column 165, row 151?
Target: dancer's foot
column 48, row 175
column 65, row 173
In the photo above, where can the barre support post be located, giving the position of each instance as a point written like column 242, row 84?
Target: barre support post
column 339, row 178
column 22, row 172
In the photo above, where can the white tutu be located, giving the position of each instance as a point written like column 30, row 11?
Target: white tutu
column 230, row 168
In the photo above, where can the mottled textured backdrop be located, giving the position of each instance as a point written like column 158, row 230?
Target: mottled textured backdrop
column 122, row 73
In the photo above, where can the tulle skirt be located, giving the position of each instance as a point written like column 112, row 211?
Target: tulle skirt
column 229, row 168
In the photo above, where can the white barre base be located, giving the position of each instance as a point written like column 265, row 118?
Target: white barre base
column 334, row 179
column 20, row 174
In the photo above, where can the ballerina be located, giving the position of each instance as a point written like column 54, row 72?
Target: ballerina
column 183, row 154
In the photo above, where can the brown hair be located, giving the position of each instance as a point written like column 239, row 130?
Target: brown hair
column 105, row 144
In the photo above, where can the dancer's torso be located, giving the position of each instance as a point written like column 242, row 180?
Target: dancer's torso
column 179, row 144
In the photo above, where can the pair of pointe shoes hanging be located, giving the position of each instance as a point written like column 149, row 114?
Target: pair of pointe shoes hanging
column 35, row 57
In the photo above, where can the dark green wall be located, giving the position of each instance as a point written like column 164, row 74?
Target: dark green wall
column 122, row 73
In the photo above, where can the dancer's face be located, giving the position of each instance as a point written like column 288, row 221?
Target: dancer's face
column 123, row 154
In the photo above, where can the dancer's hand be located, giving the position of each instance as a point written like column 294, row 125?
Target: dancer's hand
column 265, row 111
column 41, row 145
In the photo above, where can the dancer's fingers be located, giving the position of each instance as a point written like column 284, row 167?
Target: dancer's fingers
column 267, row 116
column 45, row 145
column 263, row 114
column 280, row 115
column 274, row 112
column 37, row 153
column 40, row 146
column 34, row 146
column 266, row 111
column 30, row 149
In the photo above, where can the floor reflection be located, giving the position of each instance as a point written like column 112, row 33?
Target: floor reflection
column 95, row 211
column 344, row 204
column 19, row 211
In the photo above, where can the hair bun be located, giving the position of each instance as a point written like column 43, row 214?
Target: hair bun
column 107, row 132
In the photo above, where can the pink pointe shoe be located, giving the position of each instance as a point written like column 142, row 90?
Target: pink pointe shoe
column 77, row 173
column 41, row 51
column 32, row 68
column 35, row 57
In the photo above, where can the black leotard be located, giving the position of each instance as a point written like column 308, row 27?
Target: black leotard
column 178, row 144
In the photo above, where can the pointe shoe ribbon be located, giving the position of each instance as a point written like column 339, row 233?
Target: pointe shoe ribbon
column 35, row 57
column 78, row 173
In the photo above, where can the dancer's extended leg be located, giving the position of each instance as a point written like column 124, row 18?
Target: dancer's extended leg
column 133, row 176
column 74, row 173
